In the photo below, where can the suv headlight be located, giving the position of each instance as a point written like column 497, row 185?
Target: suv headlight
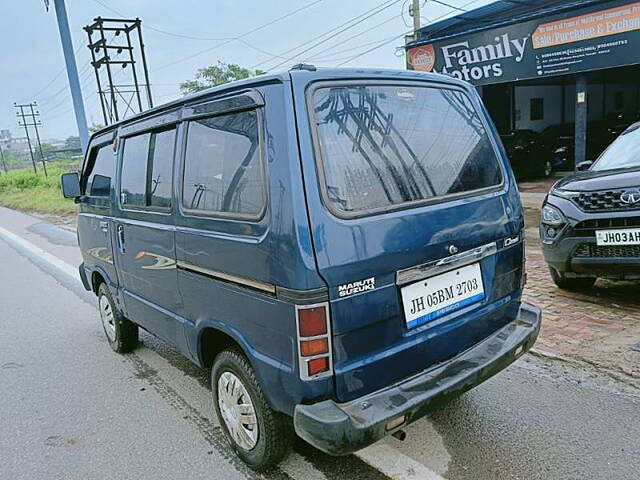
column 552, row 216
column 551, row 223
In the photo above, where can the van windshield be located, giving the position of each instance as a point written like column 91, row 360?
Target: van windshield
column 382, row 146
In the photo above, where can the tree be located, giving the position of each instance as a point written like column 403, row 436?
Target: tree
column 217, row 75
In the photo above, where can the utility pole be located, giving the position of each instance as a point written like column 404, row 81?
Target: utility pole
column 415, row 13
column 36, row 124
column 72, row 71
column 124, row 37
column 26, row 130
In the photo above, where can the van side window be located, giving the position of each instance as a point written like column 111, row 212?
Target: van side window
column 222, row 167
column 101, row 172
column 161, row 168
column 147, row 166
column 134, row 170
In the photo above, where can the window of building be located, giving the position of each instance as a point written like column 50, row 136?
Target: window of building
column 537, row 109
column 222, row 168
column 102, row 171
column 147, row 167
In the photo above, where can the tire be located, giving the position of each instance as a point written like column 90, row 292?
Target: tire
column 574, row 284
column 121, row 333
column 274, row 437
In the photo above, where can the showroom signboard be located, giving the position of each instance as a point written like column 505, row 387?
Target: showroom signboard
column 595, row 38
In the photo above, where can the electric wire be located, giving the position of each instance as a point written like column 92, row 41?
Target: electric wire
column 340, row 29
column 226, row 42
column 385, row 42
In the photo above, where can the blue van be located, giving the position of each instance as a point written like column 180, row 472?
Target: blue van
column 342, row 248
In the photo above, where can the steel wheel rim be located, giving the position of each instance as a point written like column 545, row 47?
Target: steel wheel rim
column 237, row 410
column 108, row 319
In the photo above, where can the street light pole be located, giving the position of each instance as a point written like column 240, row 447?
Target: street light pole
column 72, row 72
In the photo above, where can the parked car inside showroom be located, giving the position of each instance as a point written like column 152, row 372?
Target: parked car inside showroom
column 590, row 225
column 528, row 155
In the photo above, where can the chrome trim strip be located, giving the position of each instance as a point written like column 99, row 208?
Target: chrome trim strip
column 245, row 282
column 419, row 272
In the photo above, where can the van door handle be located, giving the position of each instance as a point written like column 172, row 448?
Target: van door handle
column 104, row 226
column 121, row 239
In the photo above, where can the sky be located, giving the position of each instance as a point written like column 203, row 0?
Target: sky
column 33, row 64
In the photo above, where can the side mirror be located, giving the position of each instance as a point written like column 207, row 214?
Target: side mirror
column 70, row 185
column 584, row 166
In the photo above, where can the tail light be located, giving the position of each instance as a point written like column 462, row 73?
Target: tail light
column 314, row 341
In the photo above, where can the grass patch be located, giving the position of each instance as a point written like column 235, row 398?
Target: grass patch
column 24, row 190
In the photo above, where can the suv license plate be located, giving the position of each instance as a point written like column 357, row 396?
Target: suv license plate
column 434, row 297
column 620, row 236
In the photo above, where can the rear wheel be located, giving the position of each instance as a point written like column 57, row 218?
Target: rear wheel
column 121, row 333
column 571, row 283
column 260, row 436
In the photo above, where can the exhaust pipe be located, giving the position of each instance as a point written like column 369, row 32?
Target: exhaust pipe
column 400, row 435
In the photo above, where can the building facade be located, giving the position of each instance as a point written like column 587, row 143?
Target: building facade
column 555, row 67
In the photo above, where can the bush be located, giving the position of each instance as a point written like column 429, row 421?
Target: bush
column 25, row 190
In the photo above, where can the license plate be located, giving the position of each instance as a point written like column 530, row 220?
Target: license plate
column 620, row 236
column 434, row 297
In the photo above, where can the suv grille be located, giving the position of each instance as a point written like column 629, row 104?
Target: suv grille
column 603, row 201
column 588, row 228
column 591, row 250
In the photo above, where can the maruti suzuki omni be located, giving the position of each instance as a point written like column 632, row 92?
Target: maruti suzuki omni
column 342, row 248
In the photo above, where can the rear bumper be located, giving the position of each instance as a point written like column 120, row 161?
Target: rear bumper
column 339, row 429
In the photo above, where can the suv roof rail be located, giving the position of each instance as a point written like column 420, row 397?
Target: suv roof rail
column 304, row 66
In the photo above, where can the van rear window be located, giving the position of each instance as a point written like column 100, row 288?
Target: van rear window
column 382, row 146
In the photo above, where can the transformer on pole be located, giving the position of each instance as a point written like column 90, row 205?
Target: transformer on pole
column 108, row 39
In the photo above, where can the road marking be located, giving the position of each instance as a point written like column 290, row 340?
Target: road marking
column 61, row 265
column 395, row 464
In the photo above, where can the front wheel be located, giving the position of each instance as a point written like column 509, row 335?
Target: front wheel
column 121, row 333
column 575, row 284
column 260, row 436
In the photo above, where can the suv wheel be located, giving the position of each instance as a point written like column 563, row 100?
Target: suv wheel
column 260, row 436
column 121, row 333
column 571, row 283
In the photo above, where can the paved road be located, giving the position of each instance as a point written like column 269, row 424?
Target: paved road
column 72, row 409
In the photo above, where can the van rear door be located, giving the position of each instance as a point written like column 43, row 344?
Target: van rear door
column 410, row 202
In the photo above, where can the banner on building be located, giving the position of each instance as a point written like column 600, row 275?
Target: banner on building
column 594, row 39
